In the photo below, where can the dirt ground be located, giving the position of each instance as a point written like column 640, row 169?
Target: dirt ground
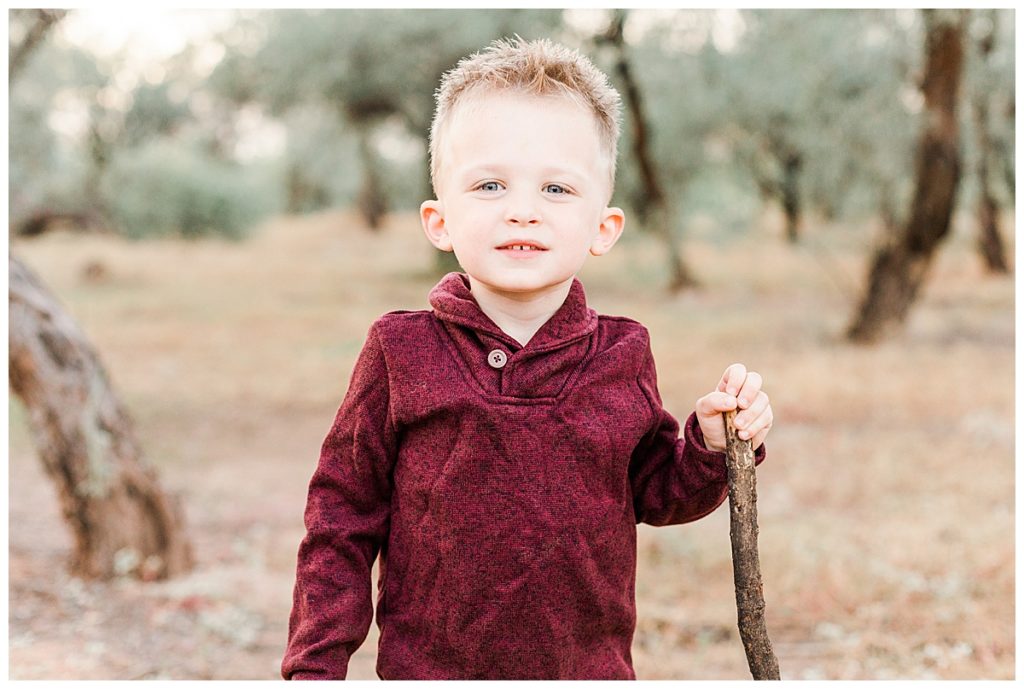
column 886, row 502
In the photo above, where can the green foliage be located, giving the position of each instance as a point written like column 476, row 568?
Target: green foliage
column 723, row 193
column 320, row 160
column 153, row 113
column 44, row 171
column 32, row 150
column 830, row 86
column 992, row 81
column 164, row 189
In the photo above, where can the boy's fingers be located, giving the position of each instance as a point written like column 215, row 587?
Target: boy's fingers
column 759, row 426
column 732, row 379
column 760, row 436
column 752, row 411
column 715, row 403
column 750, row 390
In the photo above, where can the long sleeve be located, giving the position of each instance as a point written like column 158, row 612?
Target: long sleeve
column 675, row 479
column 347, row 518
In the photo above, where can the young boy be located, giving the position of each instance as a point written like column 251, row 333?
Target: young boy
column 499, row 450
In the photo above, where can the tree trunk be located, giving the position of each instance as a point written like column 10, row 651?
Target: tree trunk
column 122, row 523
column 783, row 187
column 680, row 276
column 887, row 206
column 990, row 241
column 47, row 219
column 832, row 202
column 746, row 564
column 659, row 210
column 1006, row 156
column 900, row 266
column 371, row 200
column 791, row 195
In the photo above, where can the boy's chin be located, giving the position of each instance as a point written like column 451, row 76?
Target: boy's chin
column 521, row 284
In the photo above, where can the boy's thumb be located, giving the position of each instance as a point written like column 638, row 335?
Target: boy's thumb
column 715, row 403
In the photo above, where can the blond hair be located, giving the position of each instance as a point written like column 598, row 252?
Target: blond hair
column 538, row 68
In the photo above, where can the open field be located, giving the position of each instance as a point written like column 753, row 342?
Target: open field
column 886, row 501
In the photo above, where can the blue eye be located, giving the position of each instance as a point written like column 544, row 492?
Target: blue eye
column 558, row 189
column 489, row 186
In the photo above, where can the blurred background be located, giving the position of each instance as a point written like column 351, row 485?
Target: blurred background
column 208, row 209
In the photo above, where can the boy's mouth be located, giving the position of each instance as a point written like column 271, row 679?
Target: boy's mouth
column 521, row 246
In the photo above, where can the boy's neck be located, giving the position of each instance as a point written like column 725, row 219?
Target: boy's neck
column 519, row 315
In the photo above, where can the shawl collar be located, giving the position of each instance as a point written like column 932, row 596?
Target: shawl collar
column 538, row 370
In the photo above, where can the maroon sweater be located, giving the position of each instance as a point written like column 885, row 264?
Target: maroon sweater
column 501, row 486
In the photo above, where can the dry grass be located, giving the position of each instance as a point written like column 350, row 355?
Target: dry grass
column 886, row 502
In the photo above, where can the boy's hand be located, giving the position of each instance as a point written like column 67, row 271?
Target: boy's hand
column 752, row 421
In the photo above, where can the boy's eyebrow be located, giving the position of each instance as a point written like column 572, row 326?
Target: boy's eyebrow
column 551, row 170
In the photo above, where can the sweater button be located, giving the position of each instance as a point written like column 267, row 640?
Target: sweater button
column 497, row 358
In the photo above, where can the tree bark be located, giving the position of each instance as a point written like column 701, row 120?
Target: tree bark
column 654, row 198
column 900, row 266
column 122, row 523
column 746, row 565
column 990, row 241
column 371, row 201
column 791, row 163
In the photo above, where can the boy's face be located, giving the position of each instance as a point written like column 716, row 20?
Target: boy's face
column 528, row 168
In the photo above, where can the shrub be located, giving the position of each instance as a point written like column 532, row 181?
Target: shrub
column 170, row 189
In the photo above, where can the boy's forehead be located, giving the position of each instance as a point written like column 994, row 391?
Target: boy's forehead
column 471, row 130
column 481, row 98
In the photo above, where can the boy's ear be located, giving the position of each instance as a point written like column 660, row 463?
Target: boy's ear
column 612, row 222
column 432, row 217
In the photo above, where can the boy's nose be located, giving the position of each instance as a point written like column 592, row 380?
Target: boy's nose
column 522, row 213
column 525, row 219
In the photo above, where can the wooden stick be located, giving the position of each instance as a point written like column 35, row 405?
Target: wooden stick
column 746, row 566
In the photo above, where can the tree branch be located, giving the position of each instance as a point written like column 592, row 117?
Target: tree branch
column 18, row 55
column 746, row 566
